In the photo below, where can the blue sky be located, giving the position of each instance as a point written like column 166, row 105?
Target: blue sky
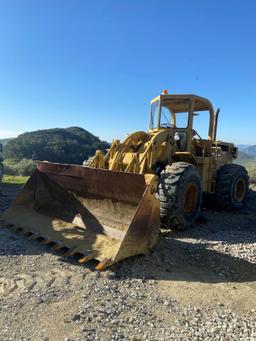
column 97, row 64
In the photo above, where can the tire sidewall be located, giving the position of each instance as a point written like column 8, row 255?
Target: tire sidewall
column 189, row 217
column 173, row 183
column 227, row 177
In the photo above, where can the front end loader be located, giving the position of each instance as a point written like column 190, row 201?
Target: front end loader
column 92, row 212
column 111, row 207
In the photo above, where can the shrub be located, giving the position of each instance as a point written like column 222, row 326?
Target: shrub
column 22, row 167
column 251, row 168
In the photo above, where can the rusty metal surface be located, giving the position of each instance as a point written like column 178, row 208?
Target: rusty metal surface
column 102, row 182
column 102, row 214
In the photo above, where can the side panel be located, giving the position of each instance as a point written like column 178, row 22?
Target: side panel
column 205, row 167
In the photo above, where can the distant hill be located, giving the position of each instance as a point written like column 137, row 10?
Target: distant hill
column 244, row 158
column 65, row 145
column 249, row 162
column 242, row 146
column 250, row 150
column 247, row 149
column 4, row 141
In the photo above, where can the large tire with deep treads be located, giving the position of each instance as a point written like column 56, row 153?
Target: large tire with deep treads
column 180, row 195
column 231, row 187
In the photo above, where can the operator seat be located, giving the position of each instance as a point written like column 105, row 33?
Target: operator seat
column 181, row 140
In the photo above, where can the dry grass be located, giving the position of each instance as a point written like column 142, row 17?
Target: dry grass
column 15, row 179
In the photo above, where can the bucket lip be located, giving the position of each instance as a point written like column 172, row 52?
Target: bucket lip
column 56, row 168
column 78, row 171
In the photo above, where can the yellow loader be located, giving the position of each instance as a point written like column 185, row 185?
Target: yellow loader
column 111, row 208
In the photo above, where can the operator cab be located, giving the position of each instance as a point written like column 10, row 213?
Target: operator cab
column 178, row 112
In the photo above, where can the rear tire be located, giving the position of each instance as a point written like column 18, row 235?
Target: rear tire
column 231, row 186
column 180, row 195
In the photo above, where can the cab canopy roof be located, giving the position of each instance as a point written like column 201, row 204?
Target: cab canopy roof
column 180, row 103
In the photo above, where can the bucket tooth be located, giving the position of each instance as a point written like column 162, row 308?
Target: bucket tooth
column 46, row 241
column 33, row 237
column 86, row 259
column 27, row 234
column 70, row 252
column 103, row 264
column 57, row 247
column 19, row 231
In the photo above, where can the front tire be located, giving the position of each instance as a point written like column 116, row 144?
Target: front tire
column 180, row 195
column 231, row 186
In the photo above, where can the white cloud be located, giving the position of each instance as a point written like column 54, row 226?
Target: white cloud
column 4, row 134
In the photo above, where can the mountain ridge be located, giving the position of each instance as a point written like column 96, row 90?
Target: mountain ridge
column 64, row 145
column 247, row 149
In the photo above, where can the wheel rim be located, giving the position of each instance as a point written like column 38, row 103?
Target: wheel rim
column 239, row 189
column 190, row 198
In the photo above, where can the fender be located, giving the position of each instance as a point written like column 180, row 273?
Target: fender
column 185, row 157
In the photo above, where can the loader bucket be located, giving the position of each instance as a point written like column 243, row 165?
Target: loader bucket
column 101, row 214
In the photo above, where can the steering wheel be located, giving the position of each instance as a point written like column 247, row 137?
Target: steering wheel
column 196, row 134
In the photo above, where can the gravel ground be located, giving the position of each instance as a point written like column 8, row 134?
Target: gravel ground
column 199, row 284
